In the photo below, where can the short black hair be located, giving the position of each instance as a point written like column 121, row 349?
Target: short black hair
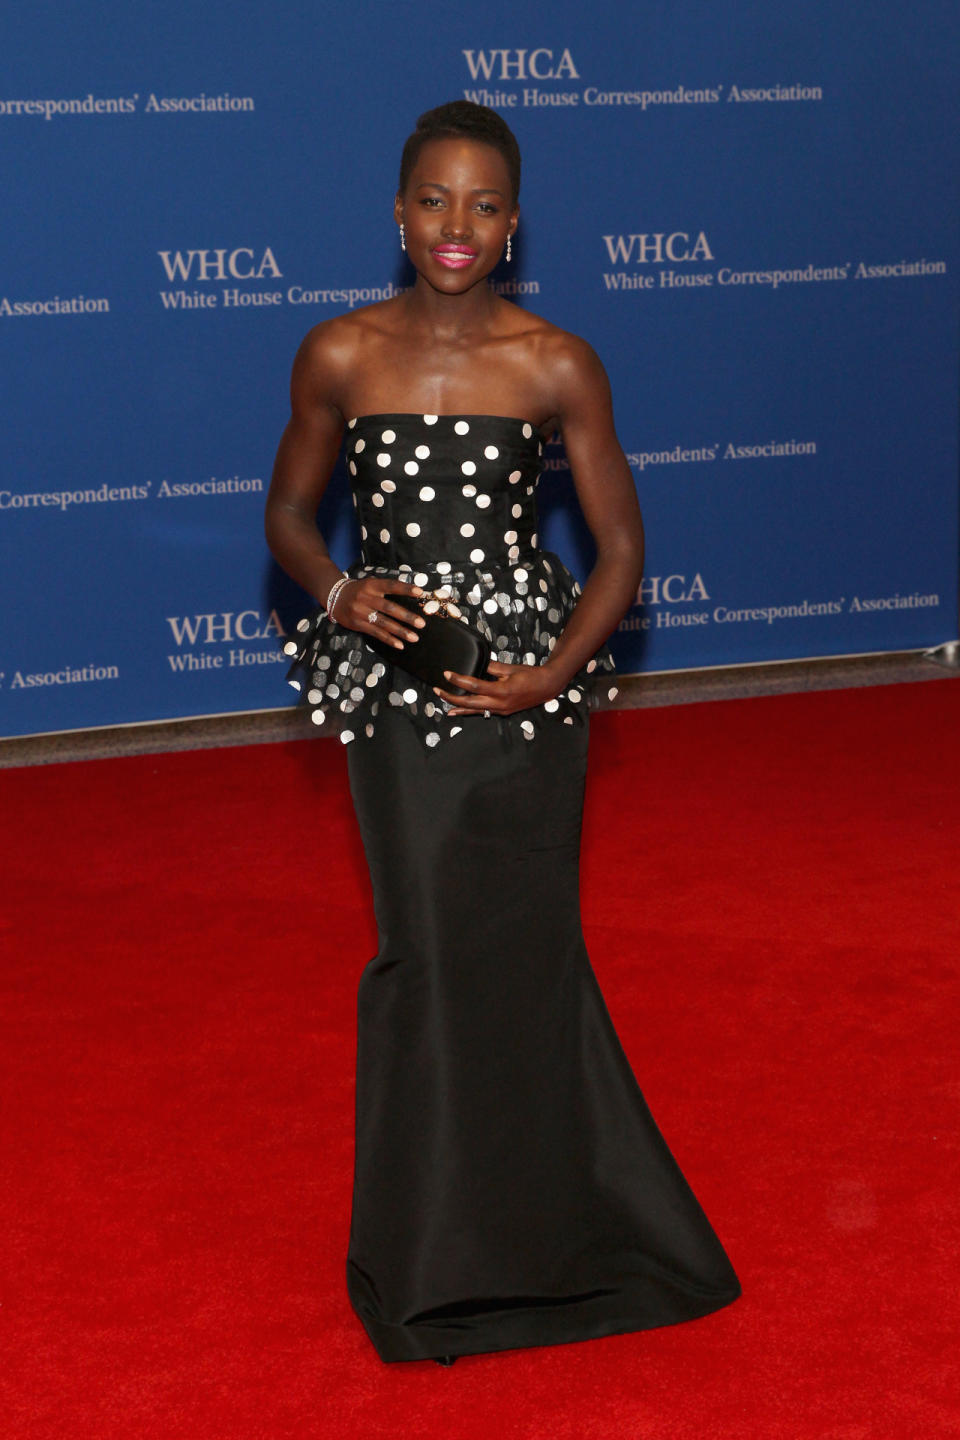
column 470, row 121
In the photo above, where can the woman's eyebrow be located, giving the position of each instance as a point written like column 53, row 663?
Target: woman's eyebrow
column 435, row 185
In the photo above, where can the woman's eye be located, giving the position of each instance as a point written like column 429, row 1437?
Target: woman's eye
column 487, row 208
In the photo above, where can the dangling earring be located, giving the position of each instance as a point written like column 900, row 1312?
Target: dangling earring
column 403, row 239
column 508, row 249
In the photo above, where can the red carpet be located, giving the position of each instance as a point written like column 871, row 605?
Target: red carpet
column 770, row 897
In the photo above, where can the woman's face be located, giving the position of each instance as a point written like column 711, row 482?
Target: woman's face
column 457, row 212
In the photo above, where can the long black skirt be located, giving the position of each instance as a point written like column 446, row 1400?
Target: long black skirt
column 511, row 1187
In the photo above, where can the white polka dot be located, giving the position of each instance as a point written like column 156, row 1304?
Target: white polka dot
column 353, row 468
column 318, row 717
column 346, row 736
column 363, row 531
column 427, row 493
column 469, row 491
column 360, row 445
column 413, row 528
column 410, row 696
column 468, row 467
column 443, row 567
column 476, row 556
column 490, row 606
column 520, row 574
column 356, row 693
column 533, row 540
column 491, row 452
column 467, row 530
column 568, row 719
column 483, row 501
column 513, row 553
column 351, row 423
column 462, row 428
column 551, row 705
column 290, row 648
column 613, row 692
column 383, row 458
column 543, row 586
column 368, row 728
column 388, row 437
column 529, row 658
column 419, row 578
column 303, row 624
column 527, row 727
column 371, row 680
column 422, row 452
column 515, row 475
column 574, row 696
column 443, row 592
column 527, row 431
column 314, row 696
column 453, row 610
column 433, row 738
column 516, row 511
column 411, row 467
column 384, row 536
column 510, row 537
column 430, row 419
column 377, row 499
column 591, row 667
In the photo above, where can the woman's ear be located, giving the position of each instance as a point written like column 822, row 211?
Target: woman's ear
column 398, row 209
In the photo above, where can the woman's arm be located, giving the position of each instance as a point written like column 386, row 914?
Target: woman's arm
column 608, row 499
column 301, row 472
column 304, row 463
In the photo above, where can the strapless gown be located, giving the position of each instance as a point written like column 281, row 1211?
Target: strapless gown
column 511, row 1187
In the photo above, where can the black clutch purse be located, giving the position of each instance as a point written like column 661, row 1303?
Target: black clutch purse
column 444, row 644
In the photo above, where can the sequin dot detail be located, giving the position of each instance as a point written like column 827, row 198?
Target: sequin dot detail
column 462, row 428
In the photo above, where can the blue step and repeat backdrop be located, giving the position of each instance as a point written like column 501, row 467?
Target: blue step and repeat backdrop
column 749, row 210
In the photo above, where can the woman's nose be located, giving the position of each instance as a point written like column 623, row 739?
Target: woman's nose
column 457, row 224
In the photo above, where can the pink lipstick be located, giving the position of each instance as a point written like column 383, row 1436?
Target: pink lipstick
column 454, row 257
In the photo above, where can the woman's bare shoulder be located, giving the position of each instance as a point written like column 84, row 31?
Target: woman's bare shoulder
column 554, row 346
column 332, row 350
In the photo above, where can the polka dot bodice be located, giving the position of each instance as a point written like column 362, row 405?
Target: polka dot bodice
column 446, row 502
column 444, row 490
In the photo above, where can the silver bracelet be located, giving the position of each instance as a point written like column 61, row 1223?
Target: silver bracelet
column 333, row 594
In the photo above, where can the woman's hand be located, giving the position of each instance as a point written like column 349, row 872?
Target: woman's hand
column 362, row 598
column 516, row 687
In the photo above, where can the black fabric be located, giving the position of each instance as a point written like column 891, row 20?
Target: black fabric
column 447, row 502
column 511, row 1187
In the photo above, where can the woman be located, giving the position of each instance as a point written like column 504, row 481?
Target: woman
column 511, row 1187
